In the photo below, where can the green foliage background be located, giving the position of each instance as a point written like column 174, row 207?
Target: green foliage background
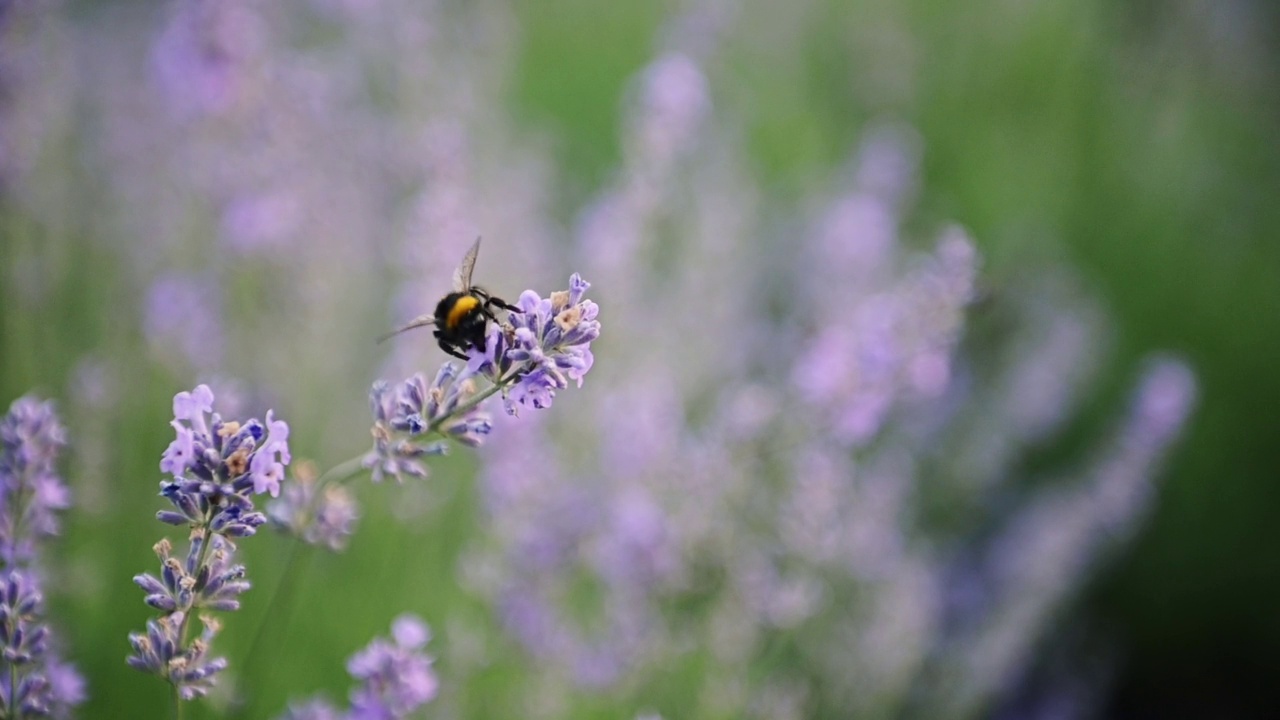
column 1133, row 138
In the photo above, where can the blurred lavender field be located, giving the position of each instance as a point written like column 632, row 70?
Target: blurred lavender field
column 907, row 313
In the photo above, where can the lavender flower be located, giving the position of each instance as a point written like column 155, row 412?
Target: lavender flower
column 318, row 514
column 402, row 418
column 33, row 681
column 182, row 320
column 547, row 343
column 396, row 678
column 186, row 584
column 160, row 651
column 541, row 347
column 30, row 490
column 205, row 53
column 217, row 466
column 313, row 709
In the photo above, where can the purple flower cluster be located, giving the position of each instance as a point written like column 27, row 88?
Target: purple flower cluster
column 31, row 493
column 217, row 466
column 396, row 678
column 541, row 347
column 318, row 514
column 211, row 584
column 163, row 651
column 409, row 422
column 547, row 344
column 45, row 685
column 33, row 681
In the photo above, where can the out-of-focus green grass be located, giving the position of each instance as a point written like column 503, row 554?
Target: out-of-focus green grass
column 1114, row 135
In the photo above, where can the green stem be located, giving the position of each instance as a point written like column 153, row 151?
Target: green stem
column 177, row 703
column 352, row 467
column 341, row 472
column 281, row 597
column 475, row 401
column 13, row 690
column 206, row 541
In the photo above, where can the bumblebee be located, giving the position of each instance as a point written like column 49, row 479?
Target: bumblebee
column 462, row 316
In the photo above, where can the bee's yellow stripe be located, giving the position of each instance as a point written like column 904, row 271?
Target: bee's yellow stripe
column 460, row 309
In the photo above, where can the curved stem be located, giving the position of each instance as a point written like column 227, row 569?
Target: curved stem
column 206, row 537
column 341, row 472
column 281, row 596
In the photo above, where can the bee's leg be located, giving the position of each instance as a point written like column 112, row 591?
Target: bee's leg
column 503, row 304
column 452, row 350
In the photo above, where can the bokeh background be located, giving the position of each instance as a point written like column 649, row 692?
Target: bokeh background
column 246, row 193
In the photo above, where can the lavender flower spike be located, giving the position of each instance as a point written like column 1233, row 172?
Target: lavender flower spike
column 217, row 468
column 547, row 343
column 396, row 678
column 407, row 418
column 33, row 681
column 31, row 492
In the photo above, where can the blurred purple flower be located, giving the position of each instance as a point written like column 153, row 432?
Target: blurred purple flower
column 31, row 493
column 396, row 678
column 260, row 222
column 203, row 58
column 45, row 685
column 314, row 709
column 33, row 681
column 674, row 100
column 319, row 515
column 182, row 319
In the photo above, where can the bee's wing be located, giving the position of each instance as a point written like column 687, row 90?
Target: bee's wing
column 462, row 276
column 417, row 322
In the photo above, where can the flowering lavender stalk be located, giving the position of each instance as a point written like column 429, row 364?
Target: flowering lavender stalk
column 543, row 345
column 548, row 344
column 396, row 678
column 217, row 466
column 33, row 681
